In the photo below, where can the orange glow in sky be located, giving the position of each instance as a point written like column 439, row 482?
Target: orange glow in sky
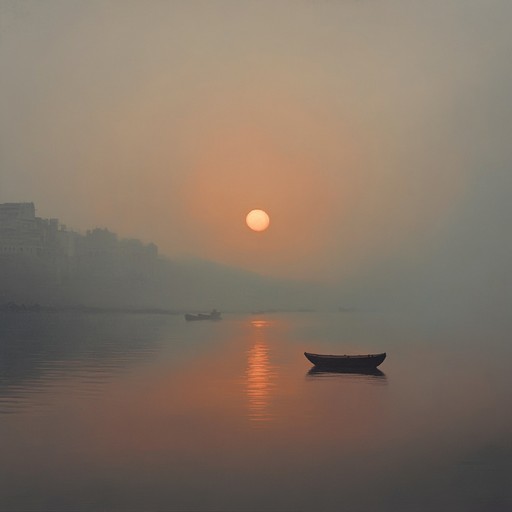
column 188, row 132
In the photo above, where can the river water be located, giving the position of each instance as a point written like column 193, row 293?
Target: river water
column 114, row 412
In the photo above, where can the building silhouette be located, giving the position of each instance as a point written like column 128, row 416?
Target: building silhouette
column 40, row 258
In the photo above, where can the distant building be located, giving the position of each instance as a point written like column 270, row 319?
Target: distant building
column 45, row 245
column 20, row 232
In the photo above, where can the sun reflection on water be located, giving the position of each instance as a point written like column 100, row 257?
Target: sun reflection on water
column 260, row 375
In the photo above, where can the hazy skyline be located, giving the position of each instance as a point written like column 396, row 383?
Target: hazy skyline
column 376, row 134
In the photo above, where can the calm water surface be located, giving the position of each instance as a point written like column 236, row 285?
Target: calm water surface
column 148, row 412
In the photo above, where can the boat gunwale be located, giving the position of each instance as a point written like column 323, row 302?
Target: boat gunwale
column 345, row 356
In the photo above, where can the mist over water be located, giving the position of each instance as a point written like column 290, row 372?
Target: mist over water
column 134, row 139
column 151, row 412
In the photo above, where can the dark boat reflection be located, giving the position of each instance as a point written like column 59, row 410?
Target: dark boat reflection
column 365, row 373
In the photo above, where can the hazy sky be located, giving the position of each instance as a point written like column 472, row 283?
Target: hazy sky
column 377, row 134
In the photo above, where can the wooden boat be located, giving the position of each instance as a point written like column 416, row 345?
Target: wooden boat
column 346, row 361
column 214, row 315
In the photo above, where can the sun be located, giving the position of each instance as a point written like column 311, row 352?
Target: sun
column 257, row 220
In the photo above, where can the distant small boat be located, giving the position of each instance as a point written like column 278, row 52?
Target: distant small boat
column 214, row 315
column 346, row 361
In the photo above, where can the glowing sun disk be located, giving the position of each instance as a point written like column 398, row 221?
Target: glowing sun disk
column 257, row 220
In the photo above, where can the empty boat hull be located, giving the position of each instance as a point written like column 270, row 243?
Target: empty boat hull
column 346, row 361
